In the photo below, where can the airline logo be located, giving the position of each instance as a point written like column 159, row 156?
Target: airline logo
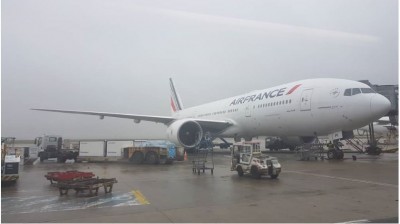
column 270, row 94
column 175, row 104
column 293, row 89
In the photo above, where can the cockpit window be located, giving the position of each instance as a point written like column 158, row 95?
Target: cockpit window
column 367, row 90
column 355, row 91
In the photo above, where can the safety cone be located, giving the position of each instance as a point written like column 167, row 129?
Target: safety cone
column 185, row 156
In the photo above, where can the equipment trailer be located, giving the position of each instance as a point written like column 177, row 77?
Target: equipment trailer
column 92, row 185
column 67, row 176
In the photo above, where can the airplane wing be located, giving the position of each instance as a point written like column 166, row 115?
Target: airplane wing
column 157, row 119
column 208, row 125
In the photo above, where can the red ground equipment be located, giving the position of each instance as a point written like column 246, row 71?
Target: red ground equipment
column 68, row 175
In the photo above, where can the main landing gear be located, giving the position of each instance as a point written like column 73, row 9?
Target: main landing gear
column 334, row 151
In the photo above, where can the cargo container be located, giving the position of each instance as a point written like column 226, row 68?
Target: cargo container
column 92, row 150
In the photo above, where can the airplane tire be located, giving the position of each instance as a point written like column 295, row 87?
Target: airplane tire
column 331, row 154
column 274, row 176
column 240, row 171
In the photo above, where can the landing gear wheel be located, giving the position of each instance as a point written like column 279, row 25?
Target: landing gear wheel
column 331, row 154
column 255, row 173
column 240, row 171
column 373, row 150
column 274, row 176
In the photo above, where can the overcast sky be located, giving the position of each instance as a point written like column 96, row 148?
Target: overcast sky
column 117, row 56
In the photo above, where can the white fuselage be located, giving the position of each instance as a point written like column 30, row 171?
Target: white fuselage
column 303, row 108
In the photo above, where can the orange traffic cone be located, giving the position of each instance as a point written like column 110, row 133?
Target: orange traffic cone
column 185, row 156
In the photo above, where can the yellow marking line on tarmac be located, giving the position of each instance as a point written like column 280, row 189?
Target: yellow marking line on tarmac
column 140, row 197
column 343, row 178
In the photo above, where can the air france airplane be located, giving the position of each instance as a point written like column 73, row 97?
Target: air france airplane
column 302, row 109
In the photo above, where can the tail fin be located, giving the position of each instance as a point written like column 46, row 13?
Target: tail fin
column 176, row 102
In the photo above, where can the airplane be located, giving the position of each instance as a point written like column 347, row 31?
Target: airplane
column 302, row 109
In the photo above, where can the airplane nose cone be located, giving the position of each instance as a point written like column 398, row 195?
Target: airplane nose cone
column 380, row 106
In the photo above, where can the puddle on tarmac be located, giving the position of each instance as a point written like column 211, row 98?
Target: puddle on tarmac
column 34, row 204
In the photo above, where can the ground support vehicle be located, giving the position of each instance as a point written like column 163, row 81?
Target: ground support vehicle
column 67, row 176
column 246, row 158
column 150, row 155
column 50, row 146
column 10, row 161
column 92, row 185
column 10, row 169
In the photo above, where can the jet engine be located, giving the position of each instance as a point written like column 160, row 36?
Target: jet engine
column 185, row 132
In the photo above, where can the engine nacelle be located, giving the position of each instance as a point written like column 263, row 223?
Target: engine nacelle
column 185, row 132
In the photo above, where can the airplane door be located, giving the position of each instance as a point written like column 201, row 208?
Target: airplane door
column 248, row 111
column 305, row 101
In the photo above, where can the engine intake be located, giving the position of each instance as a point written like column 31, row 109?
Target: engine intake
column 186, row 132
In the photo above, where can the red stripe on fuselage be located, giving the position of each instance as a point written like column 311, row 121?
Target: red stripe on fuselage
column 173, row 105
column 293, row 89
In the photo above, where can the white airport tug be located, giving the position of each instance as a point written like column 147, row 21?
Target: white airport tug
column 246, row 157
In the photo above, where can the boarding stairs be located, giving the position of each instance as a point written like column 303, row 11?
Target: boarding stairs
column 356, row 143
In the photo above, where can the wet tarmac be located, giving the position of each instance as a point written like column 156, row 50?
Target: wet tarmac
column 306, row 191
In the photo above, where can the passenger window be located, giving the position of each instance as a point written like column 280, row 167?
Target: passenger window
column 356, row 91
column 347, row 92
